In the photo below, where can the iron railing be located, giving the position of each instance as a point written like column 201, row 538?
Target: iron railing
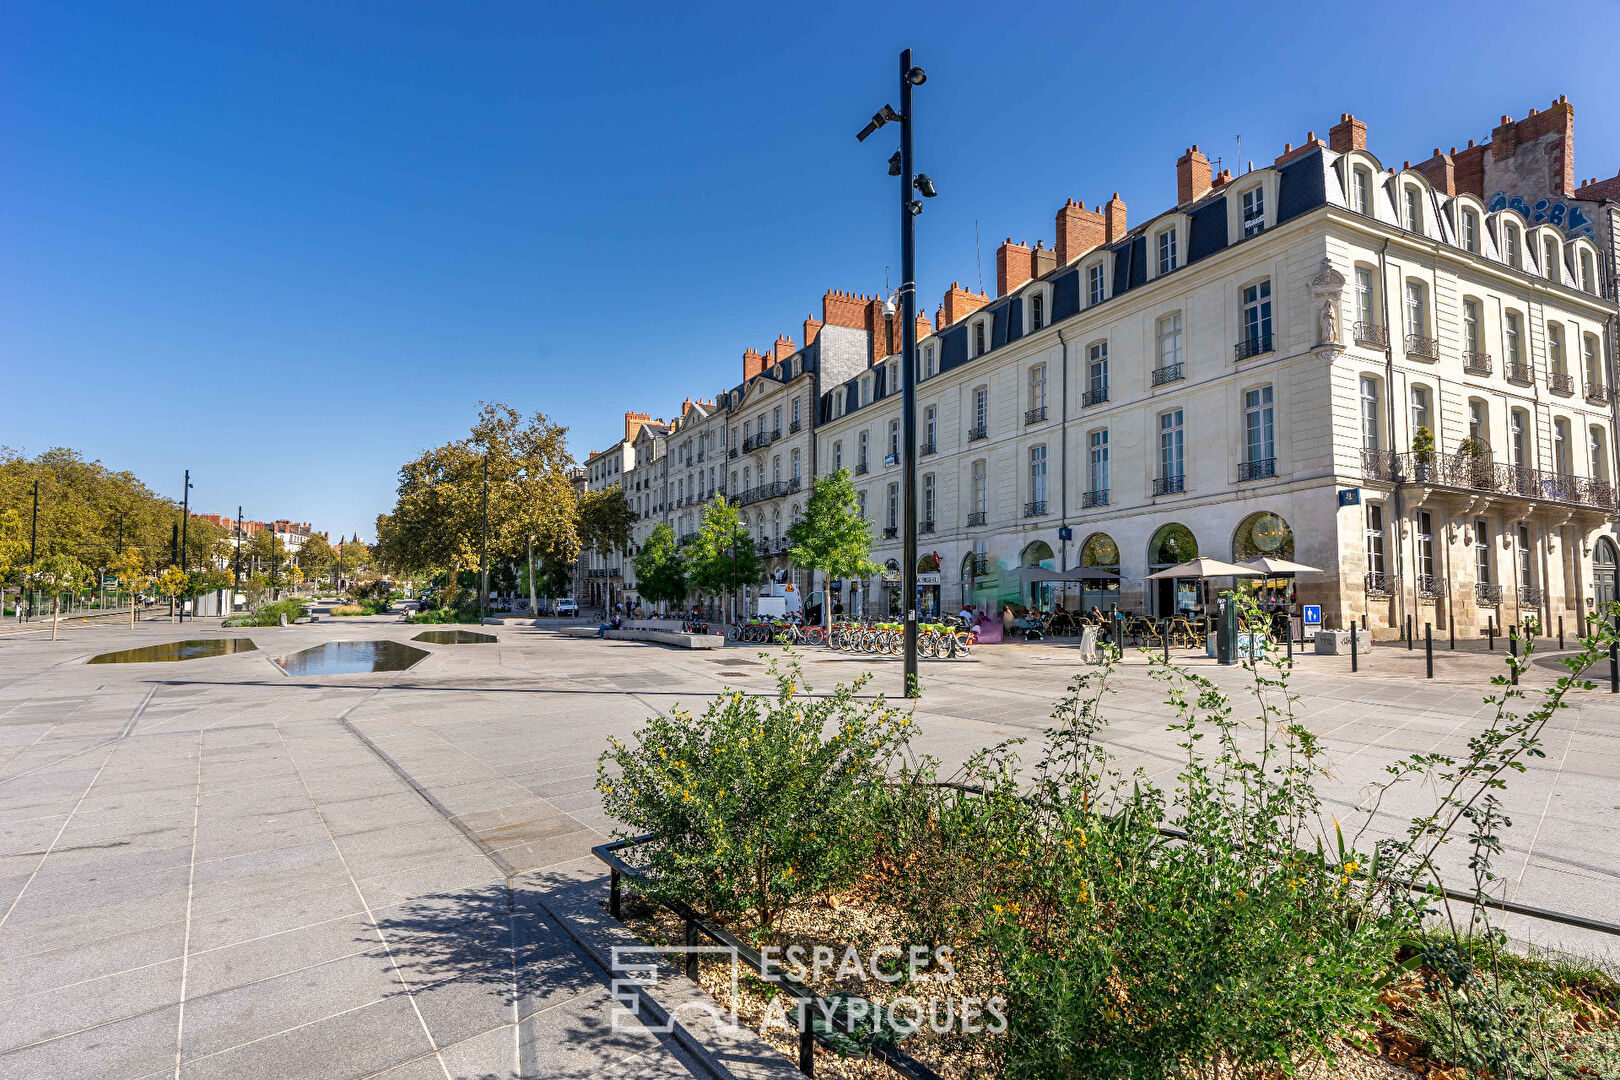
column 977, row 433
column 1597, row 394
column 891, row 531
column 1482, row 474
column 1429, row 587
column 732, row 452
column 1561, row 384
column 1517, row 371
column 1095, row 396
column 861, row 468
column 927, row 448
column 1374, row 335
column 1253, row 345
column 925, row 527
column 1169, row 485
column 752, row 443
column 1094, row 498
column 795, row 426
column 1423, row 348
column 1377, row 583
column 1169, row 373
column 978, row 517
column 1260, row 469
column 1035, row 416
column 1036, row 508
column 1488, row 594
column 1477, row 363
column 1530, row 596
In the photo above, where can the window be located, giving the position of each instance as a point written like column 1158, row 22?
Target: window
column 1588, row 278
column 981, row 409
column 1254, row 211
column 979, row 489
column 1094, row 284
column 1037, row 386
column 1369, row 413
column 1561, row 449
column 928, row 499
column 1361, row 189
column 1413, row 216
column 1510, row 338
column 930, row 420
column 978, row 338
column 776, row 421
column 1037, row 310
column 1258, row 428
column 1482, row 551
column 1555, row 349
column 1364, row 295
column 1479, row 422
column 795, row 414
column 1097, row 461
column 1519, row 438
column 866, row 395
column 1594, row 367
column 1470, row 231
column 1597, row 456
column 776, row 468
column 1526, row 563
column 1097, row 372
column 1171, row 439
column 748, row 476
column 1167, row 251
column 748, row 430
column 928, row 362
column 1375, row 538
column 892, row 513
column 863, row 455
column 1425, row 544
column 1420, row 410
column 1510, row 244
column 1471, row 338
column 1417, row 310
column 1257, row 316
column 795, row 466
column 894, row 440
column 1169, row 341
column 1549, row 259
column 860, row 504
column 838, row 456
column 1037, row 475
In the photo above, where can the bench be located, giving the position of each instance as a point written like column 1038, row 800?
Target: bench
column 657, row 637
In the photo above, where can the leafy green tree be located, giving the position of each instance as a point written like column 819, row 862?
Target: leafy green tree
column 172, row 582
column 723, row 558
column 606, row 519
column 832, row 536
column 316, row 557
column 57, row 573
column 660, row 569
column 13, row 551
column 130, row 567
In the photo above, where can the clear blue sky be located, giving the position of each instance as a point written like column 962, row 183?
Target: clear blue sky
column 287, row 246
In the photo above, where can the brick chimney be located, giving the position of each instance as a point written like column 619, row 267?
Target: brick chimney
column 1013, row 266
column 1558, row 153
column 812, row 327
column 1078, row 231
column 1043, row 260
column 1348, row 134
column 1114, row 212
column 633, row 422
column 1192, row 176
column 784, row 348
column 924, row 327
column 959, row 302
column 753, row 364
column 939, row 318
column 839, row 308
column 1441, row 170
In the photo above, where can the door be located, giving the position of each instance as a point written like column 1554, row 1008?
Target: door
column 1603, row 573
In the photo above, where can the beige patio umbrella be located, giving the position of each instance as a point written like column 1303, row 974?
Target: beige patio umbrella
column 1266, row 566
column 1206, row 567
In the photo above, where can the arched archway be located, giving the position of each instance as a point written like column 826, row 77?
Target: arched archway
column 1099, row 552
column 1264, row 534
column 1171, row 545
column 1603, row 571
column 1038, row 593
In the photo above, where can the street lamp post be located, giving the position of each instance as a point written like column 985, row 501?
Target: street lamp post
column 483, row 553
column 33, row 543
column 185, row 519
column 901, row 165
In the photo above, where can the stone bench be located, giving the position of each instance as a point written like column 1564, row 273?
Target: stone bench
column 1337, row 642
column 657, row 637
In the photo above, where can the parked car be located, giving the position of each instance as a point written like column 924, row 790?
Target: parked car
column 566, row 606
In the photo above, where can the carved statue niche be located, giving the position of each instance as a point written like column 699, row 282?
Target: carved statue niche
column 1326, row 288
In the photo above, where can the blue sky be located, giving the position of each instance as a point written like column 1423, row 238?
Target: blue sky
column 287, row 246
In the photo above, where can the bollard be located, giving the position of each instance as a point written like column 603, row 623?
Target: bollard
column 1560, row 633
column 1166, row 646
column 1614, row 662
column 1490, row 628
column 1363, row 621
column 615, row 905
column 1353, row 657
column 1428, row 648
column 1290, row 636
column 691, row 949
column 1410, row 643
column 807, row 1043
column 1513, row 653
column 1451, row 628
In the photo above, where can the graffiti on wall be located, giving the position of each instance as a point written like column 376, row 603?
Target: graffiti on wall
column 1567, row 216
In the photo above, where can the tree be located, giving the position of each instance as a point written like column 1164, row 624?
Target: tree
column 172, row 582
column 13, row 550
column 606, row 519
column 723, row 558
column 316, row 557
column 130, row 567
column 57, row 573
column 269, row 550
column 660, row 570
column 832, row 536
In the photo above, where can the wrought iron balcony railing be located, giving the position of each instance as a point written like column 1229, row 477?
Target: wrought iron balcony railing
column 861, row 468
column 1253, row 345
column 732, row 452
column 1169, row 373
column 927, row 448
column 1095, row 396
column 1094, row 498
column 1561, row 384
column 1597, row 393
column 1484, row 475
column 795, row 426
column 925, row 527
column 1422, row 348
column 975, row 434
column 890, row 532
column 978, row 517
column 1374, row 335
column 1430, row 587
column 752, row 443
column 1530, row 596
column 1259, row 469
column 1517, row 371
column 1035, row 416
column 1487, row 594
column 1377, row 583
column 1169, row 485
column 1037, row 508
column 1477, row 363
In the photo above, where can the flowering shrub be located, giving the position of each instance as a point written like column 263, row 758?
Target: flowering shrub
column 760, row 801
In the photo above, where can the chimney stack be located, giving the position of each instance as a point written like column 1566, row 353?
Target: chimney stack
column 1114, row 211
column 784, row 348
column 753, row 364
column 1078, row 231
column 1043, row 260
column 812, row 327
column 1192, row 176
column 1013, row 266
column 1348, row 134
column 959, row 302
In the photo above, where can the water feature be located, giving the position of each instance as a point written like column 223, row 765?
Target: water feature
column 352, row 658
column 454, row 637
column 170, row 651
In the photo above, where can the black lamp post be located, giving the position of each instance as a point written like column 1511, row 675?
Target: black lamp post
column 238, row 570
column 483, row 554
column 901, row 165
column 185, row 519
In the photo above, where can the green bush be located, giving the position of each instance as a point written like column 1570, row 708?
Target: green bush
column 342, row 610
column 444, row 615
column 761, row 801
column 270, row 614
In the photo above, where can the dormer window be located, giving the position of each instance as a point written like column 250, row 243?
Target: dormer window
column 928, row 364
column 979, row 337
column 1167, row 251
column 1413, row 217
column 1588, row 279
column 1361, row 189
column 1470, row 231
column 1254, row 211
column 1510, row 244
column 1037, row 310
column 1095, row 289
column 866, row 391
column 1549, row 258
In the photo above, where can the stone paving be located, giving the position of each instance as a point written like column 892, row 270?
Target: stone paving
column 212, row 869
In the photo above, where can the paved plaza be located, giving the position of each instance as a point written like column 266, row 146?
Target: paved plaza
column 213, row 869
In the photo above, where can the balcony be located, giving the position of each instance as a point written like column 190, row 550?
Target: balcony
column 890, row 532
column 1483, row 475
column 795, row 426
column 1251, row 346
column 764, row 546
column 1035, row 416
column 927, row 448
column 1169, row 373
column 1561, row 384
column 776, row 433
column 752, row 443
column 1037, row 508
column 1169, row 485
column 926, row 527
column 861, row 468
column 976, row 518
column 1476, row 363
column 1597, row 394
column 1371, row 334
column 1262, row 469
column 1377, row 584
column 1426, row 349
column 1530, row 596
column 1488, row 594
column 1095, row 396
column 1094, row 498
column 732, row 452
column 1430, row 588
column 978, row 433
column 1517, row 371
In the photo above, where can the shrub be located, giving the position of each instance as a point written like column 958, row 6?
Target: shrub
column 351, row 609
column 444, row 615
column 761, row 801
column 270, row 614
